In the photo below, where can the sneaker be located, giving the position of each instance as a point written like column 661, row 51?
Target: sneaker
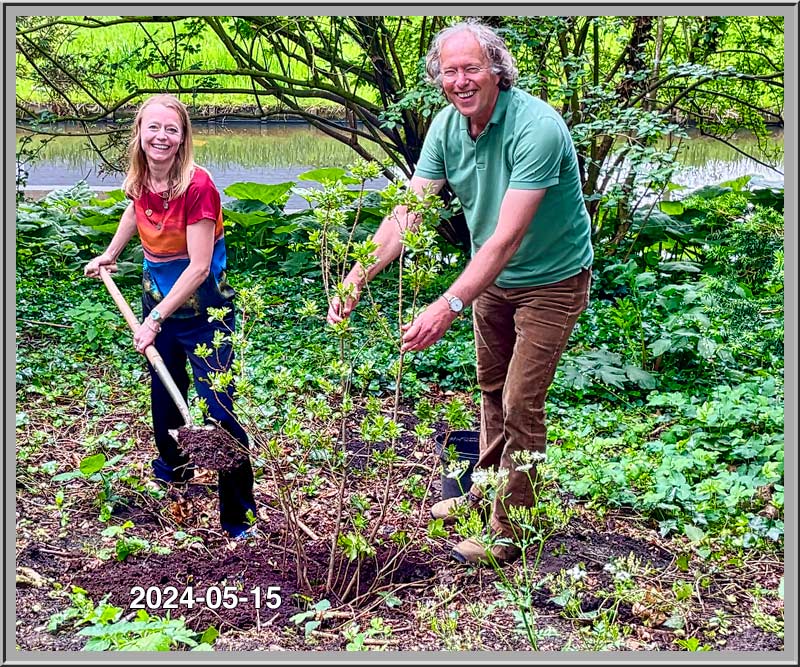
column 166, row 473
column 449, row 509
column 243, row 534
column 473, row 552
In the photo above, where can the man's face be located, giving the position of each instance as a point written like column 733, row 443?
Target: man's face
column 467, row 79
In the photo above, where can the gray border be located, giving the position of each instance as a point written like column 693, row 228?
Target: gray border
column 715, row 7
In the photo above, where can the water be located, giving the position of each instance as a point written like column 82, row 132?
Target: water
column 267, row 153
column 276, row 153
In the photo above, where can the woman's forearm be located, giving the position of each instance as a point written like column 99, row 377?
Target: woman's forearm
column 186, row 285
column 125, row 231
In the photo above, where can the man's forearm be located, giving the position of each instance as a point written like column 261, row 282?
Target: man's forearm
column 388, row 241
column 483, row 269
column 516, row 213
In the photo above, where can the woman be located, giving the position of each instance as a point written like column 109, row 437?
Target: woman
column 176, row 211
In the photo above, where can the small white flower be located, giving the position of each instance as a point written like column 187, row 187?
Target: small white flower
column 480, row 476
column 527, row 459
column 457, row 469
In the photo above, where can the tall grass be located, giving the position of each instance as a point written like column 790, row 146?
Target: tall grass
column 119, row 43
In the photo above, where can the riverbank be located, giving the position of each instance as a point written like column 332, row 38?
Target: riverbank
column 211, row 113
column 199, row 112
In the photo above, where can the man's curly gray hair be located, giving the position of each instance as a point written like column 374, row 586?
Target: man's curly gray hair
column 493, row 46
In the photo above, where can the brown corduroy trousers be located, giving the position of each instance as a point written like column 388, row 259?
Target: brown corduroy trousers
column 520, row 335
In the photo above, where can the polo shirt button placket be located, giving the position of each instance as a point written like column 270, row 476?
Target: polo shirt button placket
column 480, row 161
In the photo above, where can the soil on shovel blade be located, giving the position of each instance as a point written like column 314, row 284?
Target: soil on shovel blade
column 211, row 448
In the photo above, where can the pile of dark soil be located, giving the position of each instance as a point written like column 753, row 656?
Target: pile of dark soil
column 211, row 448
column 256, row 573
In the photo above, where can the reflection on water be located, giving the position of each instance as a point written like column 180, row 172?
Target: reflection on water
column 276, row 153
column 262, row 153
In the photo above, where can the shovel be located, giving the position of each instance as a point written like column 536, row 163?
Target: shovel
column 197, row 439
column 150, row 351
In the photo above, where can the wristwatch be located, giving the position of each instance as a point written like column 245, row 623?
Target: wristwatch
column 456, row 304
column 156, row 316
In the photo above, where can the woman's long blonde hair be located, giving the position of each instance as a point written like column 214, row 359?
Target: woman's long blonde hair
column 180, row 176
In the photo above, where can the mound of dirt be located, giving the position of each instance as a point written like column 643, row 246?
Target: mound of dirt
column 229, row 589
column 211, row 448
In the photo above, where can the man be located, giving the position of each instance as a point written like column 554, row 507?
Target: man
column 510, row 160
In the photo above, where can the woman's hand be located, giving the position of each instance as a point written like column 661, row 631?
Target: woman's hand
column 92, row 269
column 145, row 335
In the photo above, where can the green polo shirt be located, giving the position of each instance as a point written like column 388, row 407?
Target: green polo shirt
column 525, row 146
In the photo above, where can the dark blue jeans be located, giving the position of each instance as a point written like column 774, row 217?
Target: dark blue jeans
column 176, row 344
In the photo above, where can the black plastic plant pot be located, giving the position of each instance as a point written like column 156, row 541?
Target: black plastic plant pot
column 466, row 447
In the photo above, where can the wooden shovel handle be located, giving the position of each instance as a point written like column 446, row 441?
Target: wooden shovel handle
column 150, row 351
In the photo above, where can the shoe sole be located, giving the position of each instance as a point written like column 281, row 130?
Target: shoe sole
column 461, row 558
column 456, row 555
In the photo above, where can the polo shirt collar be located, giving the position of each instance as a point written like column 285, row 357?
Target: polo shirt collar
column 500, row 107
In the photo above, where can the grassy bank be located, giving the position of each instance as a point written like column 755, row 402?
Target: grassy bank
column 124, row 45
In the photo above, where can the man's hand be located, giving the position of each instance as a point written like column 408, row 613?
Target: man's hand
column 429, row 327
column 338, row 312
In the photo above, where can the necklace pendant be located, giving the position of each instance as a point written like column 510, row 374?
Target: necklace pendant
column 166, row 204
column 148, row 212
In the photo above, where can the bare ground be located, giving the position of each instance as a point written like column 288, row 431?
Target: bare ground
column 439, row 605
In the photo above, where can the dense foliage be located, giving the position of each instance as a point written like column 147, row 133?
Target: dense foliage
column 627, row 86
column 672, row 387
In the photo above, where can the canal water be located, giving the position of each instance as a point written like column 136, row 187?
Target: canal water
column 276, row 153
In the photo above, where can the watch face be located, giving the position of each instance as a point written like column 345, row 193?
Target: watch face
column 155, row 315
column 456, row 304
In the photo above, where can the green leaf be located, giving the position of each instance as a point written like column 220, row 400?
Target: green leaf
column 310, row 626
column 689, row 267
column 611, row 376
column 258, row 191
column 645, row 279
column 710, row 192
column 693, row 533
column 706, row 348
column 97, row 644
column 436, row 529
column 737, row 184
column 660, row 346
column 676, row 621
column 671, row 207
column 390, row 599
column 640, row 376
column 92, row 464
column 328, row 176
column 209, row 636
column 246, row 219
column 157, row 641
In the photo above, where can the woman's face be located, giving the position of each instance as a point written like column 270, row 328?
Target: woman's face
column 161, row 134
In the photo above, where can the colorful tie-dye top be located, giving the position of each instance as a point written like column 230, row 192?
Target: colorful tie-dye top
column 163, row 235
